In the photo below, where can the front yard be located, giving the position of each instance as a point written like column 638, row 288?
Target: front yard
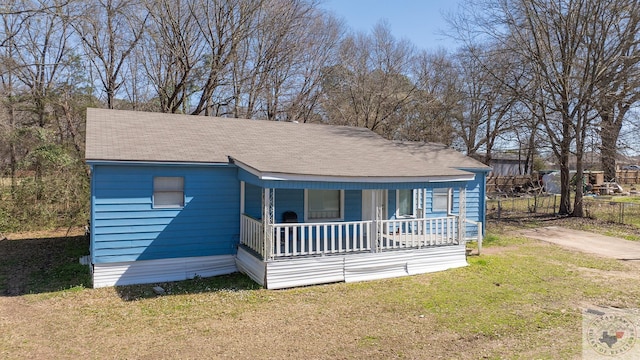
column 520, row 299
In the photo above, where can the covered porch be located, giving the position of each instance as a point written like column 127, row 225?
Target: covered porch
column 381, row 244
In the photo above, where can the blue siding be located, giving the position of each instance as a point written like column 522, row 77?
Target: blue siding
column 289, row 200
column 476, row 202
column 353, row 205
column 126, row 227
column 253, row 201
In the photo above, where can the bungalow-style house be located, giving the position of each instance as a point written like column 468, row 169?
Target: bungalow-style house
column 179, row 196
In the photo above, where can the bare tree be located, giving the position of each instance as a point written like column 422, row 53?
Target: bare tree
column 617, row 89
column 173, row 52
column 370, row 85
column 487, row 100
column 264, row 62
column 318, row 44
column 223, row 26
column 109, row 31
column 565, row 46
column 239, row 58
column 435, row 102
column 278, row 72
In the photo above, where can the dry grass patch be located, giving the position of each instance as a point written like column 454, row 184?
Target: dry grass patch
column 523, row 302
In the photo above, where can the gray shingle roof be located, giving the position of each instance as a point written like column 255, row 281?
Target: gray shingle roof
column 438, row 152
column 266, row 146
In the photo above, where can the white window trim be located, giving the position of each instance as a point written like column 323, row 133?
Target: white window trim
column 153, row 196
column 449, row 201
column 413, row 201
column 306, row 208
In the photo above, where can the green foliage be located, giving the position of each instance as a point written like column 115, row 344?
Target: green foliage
column 55, row 195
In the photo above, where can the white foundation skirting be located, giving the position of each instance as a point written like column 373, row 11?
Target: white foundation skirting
column 287, row 273
column 152, row 271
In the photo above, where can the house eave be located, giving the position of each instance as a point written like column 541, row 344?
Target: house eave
column 276, row 176
column 483, row 169
column 153, row 163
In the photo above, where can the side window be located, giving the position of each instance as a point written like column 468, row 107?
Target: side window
column 441, row 200
column 405, row 203
column 168, row 192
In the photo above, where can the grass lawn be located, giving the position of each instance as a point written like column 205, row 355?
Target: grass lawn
column 520, row 299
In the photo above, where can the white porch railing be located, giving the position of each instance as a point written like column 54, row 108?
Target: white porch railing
column 300, row 239
column 292, row 239
column 252, row 234
column 411, row 233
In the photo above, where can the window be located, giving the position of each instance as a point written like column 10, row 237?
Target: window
column 324, row 204
column 405, row 203
column 442, row 200
column 168, row 192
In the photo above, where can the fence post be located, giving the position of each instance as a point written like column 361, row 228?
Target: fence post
column 499, row 208
column 554, row 204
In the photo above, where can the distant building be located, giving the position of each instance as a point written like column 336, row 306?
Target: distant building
column 506, row 164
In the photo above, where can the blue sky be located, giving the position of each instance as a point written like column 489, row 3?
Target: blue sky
column 417, row 20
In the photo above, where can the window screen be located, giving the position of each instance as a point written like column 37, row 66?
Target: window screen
column 168, row 192
column 441, row 199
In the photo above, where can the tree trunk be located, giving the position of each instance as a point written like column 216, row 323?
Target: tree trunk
column 610, row 131
column 578, row 210
column 565, row 179
column 12, row 148
column 565, row 190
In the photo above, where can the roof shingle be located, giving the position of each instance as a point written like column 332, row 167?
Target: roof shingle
column 267, row 146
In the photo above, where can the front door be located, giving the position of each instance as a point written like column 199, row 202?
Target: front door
column 374, row 206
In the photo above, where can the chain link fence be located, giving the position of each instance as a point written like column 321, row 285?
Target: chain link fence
column 522, row 207
column 613, row 211
column 544, row 205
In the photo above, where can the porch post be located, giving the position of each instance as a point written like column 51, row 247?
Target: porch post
column 241, row 197
column 242, row 229
column 268, row 203
column 462, row 215
column 377, row 224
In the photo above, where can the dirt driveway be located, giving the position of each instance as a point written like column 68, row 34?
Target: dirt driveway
column 587, row 242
